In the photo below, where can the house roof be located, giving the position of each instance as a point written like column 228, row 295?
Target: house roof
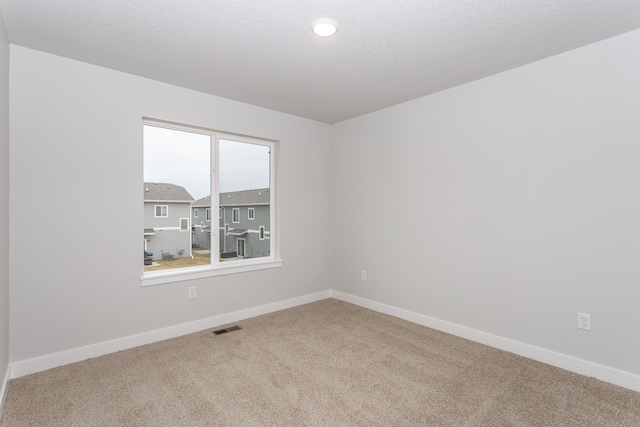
column 204, row 202
column 238, row 231
column 165, row 192
column 259, row 196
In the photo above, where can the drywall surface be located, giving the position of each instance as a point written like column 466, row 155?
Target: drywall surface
column 4, row 205
column 507, row 205
column 77, row 214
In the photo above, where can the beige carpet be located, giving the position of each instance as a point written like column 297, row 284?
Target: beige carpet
column 323, row 364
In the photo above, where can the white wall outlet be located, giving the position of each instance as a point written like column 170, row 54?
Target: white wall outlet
column 584, row 321
column 363, row 275
column 192, row 292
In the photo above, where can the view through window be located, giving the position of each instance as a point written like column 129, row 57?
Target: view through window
column 180, row 182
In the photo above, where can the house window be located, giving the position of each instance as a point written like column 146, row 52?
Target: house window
column 261, row 232
column 183, row 164
column 162, row 211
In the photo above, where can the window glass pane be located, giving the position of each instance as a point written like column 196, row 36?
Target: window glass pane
column 177, row 174
column 244, row 182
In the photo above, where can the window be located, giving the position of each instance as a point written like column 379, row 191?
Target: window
column 229, row 173
column 162, row 210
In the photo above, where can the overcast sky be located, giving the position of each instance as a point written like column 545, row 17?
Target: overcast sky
column 183, row 158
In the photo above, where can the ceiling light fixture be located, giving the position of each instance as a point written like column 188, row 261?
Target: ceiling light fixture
column 324, row 27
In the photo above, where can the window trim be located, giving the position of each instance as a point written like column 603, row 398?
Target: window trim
column 217, row 268
column 186, row 228
column 251, row 214
column 235, row 215
column 261, row 233
column 195, row 212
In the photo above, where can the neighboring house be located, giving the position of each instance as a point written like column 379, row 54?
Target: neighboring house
column 167, row 213
column 243, row 222
column 201, row 223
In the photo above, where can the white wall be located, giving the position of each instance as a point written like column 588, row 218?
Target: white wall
column 76, row 205
column 4, row 207
column 506, row 205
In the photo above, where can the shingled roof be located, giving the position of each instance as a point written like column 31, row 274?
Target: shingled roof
column 165, row 192
column 260, row 196
column 205, row 202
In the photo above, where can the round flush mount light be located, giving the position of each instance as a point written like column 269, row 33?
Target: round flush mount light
column 324, row 27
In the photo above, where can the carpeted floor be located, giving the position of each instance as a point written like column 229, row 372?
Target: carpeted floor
column 328, row 363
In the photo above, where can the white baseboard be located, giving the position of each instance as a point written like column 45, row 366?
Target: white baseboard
column 573, row 364
column 570, row 363
column 3, row 389
column 38, row 364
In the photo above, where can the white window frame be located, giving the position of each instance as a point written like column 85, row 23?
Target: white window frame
column 195, row 213
column 261, row 232
column 217, row 267
column 235, row 215
column 166, row 211
column 207, row 217
column 251, row 214
column 180, row 224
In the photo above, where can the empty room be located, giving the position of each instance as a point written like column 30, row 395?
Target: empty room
column 404, row 212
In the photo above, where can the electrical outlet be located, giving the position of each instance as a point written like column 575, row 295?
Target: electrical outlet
column 363, row 275
column 584, row 321
column 192, row 292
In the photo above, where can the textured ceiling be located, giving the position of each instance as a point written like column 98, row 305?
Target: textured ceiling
column 264, row 53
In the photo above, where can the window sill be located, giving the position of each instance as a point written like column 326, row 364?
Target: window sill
column 171, row 276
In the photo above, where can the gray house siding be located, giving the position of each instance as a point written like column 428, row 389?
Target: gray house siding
column 246, row 229
column 163, row 233
column 167, row 235
column 201, row 236
column 200, row 226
